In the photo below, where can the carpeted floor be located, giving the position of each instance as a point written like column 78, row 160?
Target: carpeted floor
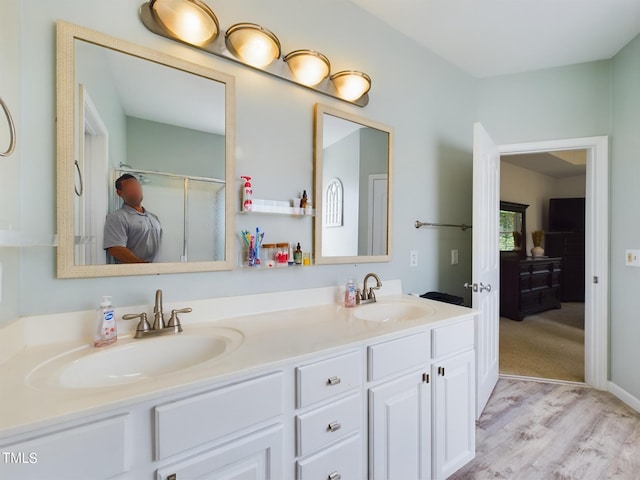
column 546, row 345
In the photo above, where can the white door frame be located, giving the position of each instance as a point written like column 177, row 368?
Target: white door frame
column 596, row 247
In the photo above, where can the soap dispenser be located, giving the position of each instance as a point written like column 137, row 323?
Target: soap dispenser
column 106, row 328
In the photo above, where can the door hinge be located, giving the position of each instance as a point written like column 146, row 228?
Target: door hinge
column 596, row 280
column 425, row 377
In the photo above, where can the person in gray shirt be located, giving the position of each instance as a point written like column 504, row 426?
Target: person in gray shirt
column 131, row 233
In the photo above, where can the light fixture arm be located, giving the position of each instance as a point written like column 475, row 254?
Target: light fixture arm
column 217, row 47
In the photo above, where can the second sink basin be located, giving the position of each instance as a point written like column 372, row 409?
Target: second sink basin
column 132, row 360
column 392, row 311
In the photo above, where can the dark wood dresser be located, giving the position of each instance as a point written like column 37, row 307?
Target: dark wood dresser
column 529, row 286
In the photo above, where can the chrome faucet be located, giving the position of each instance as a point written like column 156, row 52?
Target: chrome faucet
column 158, row 314
column 159, row 327
column 368, row 296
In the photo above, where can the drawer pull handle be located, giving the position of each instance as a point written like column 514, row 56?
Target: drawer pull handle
column 334, row 476
column 334, row 426
column 333, row 381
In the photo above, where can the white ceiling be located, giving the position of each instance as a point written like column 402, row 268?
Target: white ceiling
column 494, row 37
column 562, row 164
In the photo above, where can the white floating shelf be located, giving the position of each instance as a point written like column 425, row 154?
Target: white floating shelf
column 278, row 207
column 15, row 238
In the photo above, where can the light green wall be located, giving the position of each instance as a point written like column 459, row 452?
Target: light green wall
column 556, row 103
column 625, row 222
column 169, row 148
column 432, row 110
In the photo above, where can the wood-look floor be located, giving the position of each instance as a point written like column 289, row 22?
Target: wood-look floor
column 537, row 431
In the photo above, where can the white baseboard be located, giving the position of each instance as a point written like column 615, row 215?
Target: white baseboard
column 625, row 396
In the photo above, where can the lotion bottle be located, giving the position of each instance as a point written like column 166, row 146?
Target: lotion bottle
column 106, row 328
column 350, row 294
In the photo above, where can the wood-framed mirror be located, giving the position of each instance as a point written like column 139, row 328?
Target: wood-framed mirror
column 165, row 128
column 353, row 169
column 513, row 228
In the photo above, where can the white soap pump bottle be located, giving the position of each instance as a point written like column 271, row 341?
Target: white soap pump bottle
column 106, row 327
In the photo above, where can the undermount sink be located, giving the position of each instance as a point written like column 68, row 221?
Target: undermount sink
column 391, row 311
column 130, row 360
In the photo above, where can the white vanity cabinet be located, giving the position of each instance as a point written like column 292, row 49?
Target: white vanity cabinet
column 400, row 408
column 329, row 418
column 100, row 448
column 453, row 374
column 422, row 419
column 393, row 407
column 238, row 411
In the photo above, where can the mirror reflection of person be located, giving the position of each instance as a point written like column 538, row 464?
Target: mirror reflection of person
column 131, row 233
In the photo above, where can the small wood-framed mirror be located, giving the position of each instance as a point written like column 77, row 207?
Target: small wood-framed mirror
column 513, row 228
column 353, row 171
column 165, row 126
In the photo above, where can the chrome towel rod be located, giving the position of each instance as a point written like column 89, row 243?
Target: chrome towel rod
column 463, row 227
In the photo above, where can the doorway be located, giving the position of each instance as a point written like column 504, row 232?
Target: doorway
column 596, row 246
column 542, row 264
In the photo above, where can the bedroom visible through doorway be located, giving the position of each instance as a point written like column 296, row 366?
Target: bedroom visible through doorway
column 542, row 242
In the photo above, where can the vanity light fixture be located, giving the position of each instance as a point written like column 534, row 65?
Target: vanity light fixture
column 351, row 84
column 191, row 21
column 309, row 67
column 252, row 44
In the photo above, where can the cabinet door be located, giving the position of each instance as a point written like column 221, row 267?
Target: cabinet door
column 453, row 414
column 255, row 457
column 400, row 428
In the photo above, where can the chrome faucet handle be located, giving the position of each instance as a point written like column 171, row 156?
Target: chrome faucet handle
column 143, row 324
column 174, row 321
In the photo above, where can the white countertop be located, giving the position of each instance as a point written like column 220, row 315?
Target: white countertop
column 270, row 339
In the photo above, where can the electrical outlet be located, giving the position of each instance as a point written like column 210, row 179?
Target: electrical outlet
column 454, row 257
column 413, row 258
column 632, row 258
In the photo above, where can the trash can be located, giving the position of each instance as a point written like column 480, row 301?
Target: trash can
column 443, row 297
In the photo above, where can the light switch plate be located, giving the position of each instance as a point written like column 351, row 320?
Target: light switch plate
column 454, row 257
column 632, row 258
column 413, row 258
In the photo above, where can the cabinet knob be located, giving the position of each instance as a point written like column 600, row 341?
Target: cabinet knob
column 333, row 381
column 334, row 476
column 425, row 377
column 334, row 426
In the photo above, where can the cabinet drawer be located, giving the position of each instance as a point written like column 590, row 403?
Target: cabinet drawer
column 94, row 450
column 398, row 355
column 540, row 281
column 452, row 338
column 327, row 424
column 258, row 455
column 342, row 461
column 193, row 421
column 327, row 378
